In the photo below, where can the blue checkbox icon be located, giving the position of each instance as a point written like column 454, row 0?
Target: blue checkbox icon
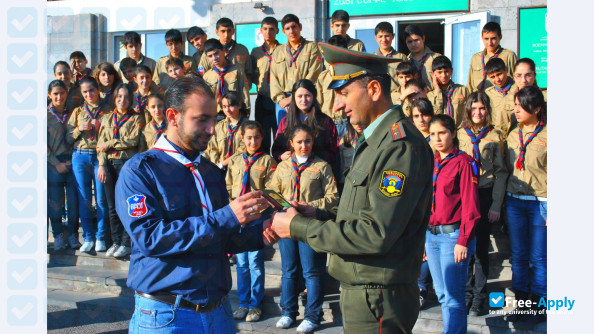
column 21, row 310
column 21, row 238
column 21, row 202
column 169, row 17
column 22, row 94
column 496, row 299
column 22, row 58
column 21, row 22
column 131, row 18
column 21, row 130
column 21, row 274
column 21, row 166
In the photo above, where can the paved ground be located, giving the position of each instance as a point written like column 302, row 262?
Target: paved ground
column 73, row 321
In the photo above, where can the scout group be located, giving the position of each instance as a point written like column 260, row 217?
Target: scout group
column 489, row 139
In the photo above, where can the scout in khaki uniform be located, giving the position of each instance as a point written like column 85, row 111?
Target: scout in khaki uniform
column 133, row 45
column 145, row 87
column 326, row 96
column 108, row 78
column 174, row 43
column 384, row 36
column 235, row 53
column 118, row 141
column 197, row 37
column 500, row 94
column 420, row 55
column 224, row 77
column 491, row 36
column 156, row 126
column 340, row 25
column 63, row 73
column 78, row 65
column 421, row 114
column 376, row 239
column 524, row 75
column 413, row 90
column 405, row 71
column 447, row 97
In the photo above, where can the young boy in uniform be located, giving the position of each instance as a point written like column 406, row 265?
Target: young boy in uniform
column 224, row 76
column 174, row 42
column 340, row 25
column 261, row 59
column 78, row 65
column 175, row 68
column 127, row 67
column 447, row 97
column 133, row 45
column 197, row 37
column 500, row 94
column 236, row 54
column 297, row 59
column 384, row 36
column 491, row 36
column 145, row 87
column 420, row 55
column 405, row 71
column 413, row 89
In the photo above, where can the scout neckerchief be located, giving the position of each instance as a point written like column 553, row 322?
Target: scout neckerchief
column 107, row 94
column 520, row 162
column 298, row 169
column 93, row 117
column 232, row 130
column 484, row 81
column 389, row 55
column 293, row 57
column 140, row 102
column 229, row 48
column 245, row 184
column 164, row 145
column 61, row 119
column 117, row 125
column 267, row 54
column 80, row 76
column 476, row 139
column 436, row 170
column 422, row 61
column 159, row 129
column 503, row 91
column 221, row 86
column 447, row 96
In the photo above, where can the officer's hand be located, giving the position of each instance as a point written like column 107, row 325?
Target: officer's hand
column 281, row 222
column 493, row 216
column 247, row 207
column 304, row 209
column 102, row 174
column 460, row 253
column 270, row 238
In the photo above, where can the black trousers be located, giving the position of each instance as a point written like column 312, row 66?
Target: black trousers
column 118, row 233
column 266, row 116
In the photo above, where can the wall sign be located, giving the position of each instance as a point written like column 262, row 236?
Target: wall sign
column 532, row 40
column 383, row 7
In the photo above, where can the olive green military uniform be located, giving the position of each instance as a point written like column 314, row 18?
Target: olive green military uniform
column 261, row 66
column 160, row 76
column 346, row 153
column 126, row 146
column 502, row 108
column 218, row 146
column 85, row 139
column 146, row 61
column 475, row 74
column 458, row 102
column 260, row 173
column 234, row 80
column 425, row 68
column 239, row 56
column 532, row 180
column 149, row 136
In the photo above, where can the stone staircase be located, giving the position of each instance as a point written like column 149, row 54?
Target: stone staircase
column 96, row 284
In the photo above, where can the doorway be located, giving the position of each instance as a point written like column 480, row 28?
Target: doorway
column 434, row 34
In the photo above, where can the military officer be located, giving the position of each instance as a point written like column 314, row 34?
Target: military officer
column 376, row 238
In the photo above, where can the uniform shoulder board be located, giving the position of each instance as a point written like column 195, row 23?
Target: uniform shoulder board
column 397, row 131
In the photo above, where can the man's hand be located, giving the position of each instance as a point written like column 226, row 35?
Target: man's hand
column 270, row 238
column 493, row 216
column 62, row 168
column 304, row 209
column 247, row 207
column 281, row 222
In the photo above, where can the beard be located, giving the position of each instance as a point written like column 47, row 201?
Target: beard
column 196, row 141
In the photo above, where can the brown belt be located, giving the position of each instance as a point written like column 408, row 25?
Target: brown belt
column 170, row 299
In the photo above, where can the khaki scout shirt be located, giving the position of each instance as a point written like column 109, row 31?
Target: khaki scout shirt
column 392, row 66
column 260, row 172
column 475, row 74
column 153, row 89
column 59, row 144
column 195, row 61
column 160, row 76
column 378, row 235
column 493, row 169
column 146, row 61
column 234, row 80
column 283, row 77
column 532, row 180
column 74, row 99
column 82, row 139
column 317, row 183
column 326, row 96
column 458, row 102
column 261, row 66
column 426, row 72
column 239, row 56
column 355, row 44
column 502, row 108
column 108, row 99
column 126, row 145
column 218, row 146
column 149, row 136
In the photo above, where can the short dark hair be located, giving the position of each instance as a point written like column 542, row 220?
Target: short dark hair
column 155, row 96
column 126, row 63
column 174, row 62
column 251, row 125
column 384, row 26
column 56, row 83
column 270, row 20
column 180, row 89
column 338, row 40
column 142, row 69
column 131, row 37
column 531, row 98
column 90, row 80
column 194, row 32
column 475, row 97
column 340, row 15
column 418, row 82
column 412, row 29
column 288, row 19
column 528, row 62
column 495, row 65
column 78, row 55
column 406, row 68
column 212, row 44
column 492, row 27
column 224, row 22
column 129, row 90
column 424, row 106
column 173, row 35
column 293, row 119
column 384, row 80
column 447, row 122
column 441, row 62
column 61, row 63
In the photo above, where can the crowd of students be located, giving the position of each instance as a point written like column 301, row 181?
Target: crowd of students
column 99, row 118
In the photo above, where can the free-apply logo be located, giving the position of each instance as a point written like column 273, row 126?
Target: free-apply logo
column 496, row 299
column 499, row 300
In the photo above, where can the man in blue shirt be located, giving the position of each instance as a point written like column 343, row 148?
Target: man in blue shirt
column 175, row 207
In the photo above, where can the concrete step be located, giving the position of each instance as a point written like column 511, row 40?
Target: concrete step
column 72, row 257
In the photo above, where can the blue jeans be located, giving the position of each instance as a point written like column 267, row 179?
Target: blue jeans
column 250, row 278
column 151, row 316
column 526, row 220
column 59, row 185
column 84, row 167
column 449, row 278
column 280, row 114
column 293, row 254
column 424, row 278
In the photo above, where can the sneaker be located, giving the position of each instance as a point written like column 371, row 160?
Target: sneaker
column 73, row 242
column 122, row 251
column 59, row 242
column 100, row 246
column 476, row 309
column 112, row 250
column 240, row 313
column 307, row 326
column 87, row 246
column 254, row 315
column 284, row 322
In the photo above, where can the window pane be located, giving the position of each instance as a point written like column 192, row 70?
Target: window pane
column 155, row 46
column 466, row 41
column 367, row 36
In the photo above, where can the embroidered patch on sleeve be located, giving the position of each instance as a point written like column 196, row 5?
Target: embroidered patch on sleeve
column 137, row 206
column 392, row 183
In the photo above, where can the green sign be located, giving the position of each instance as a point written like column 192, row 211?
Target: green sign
column 250, row 36
column 532, row 40
column 382, row 7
